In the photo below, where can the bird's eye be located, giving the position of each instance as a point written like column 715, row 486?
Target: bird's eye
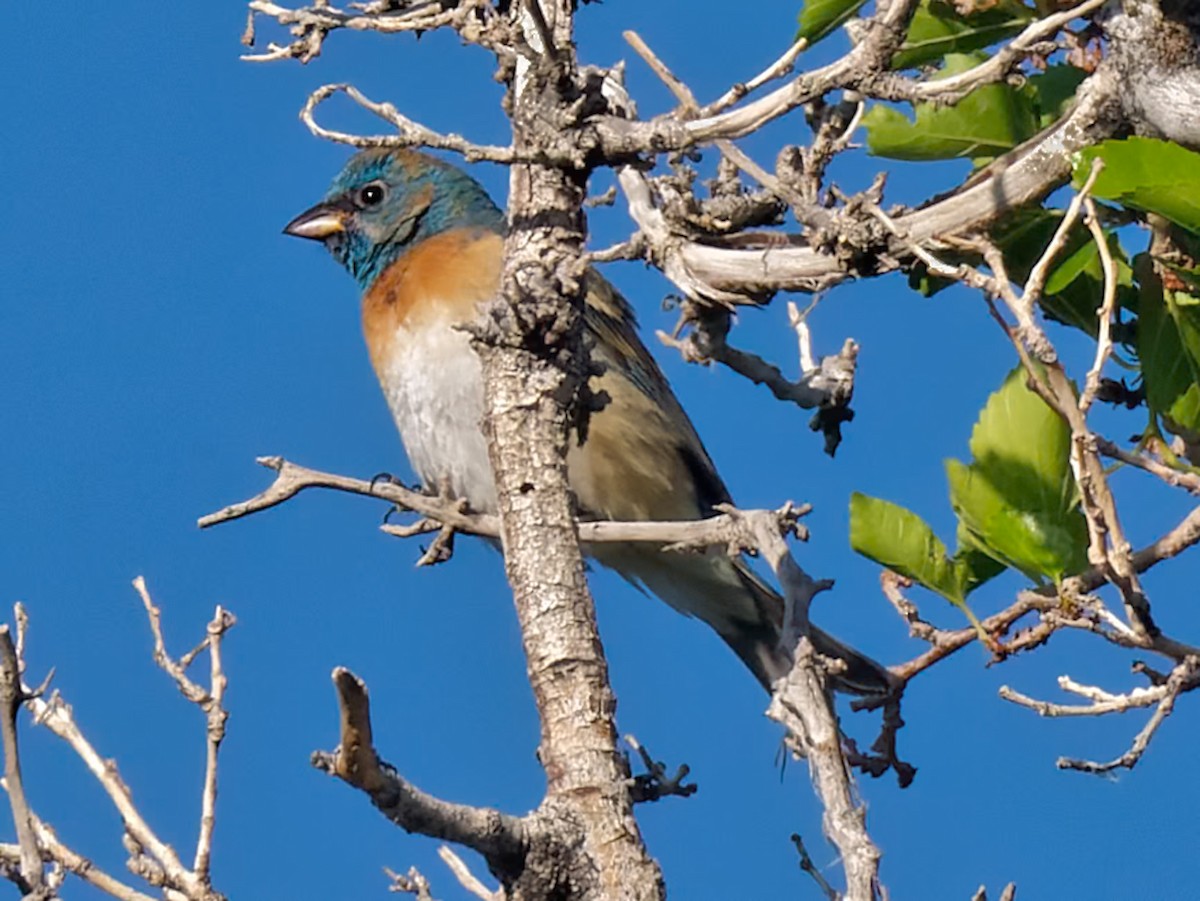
column 371, row 195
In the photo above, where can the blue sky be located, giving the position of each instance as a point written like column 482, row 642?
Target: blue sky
column 158, row 332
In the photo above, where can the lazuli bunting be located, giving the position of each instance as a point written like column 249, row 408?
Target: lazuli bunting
column 425, row 243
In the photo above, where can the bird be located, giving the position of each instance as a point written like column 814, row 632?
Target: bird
column 425, row 242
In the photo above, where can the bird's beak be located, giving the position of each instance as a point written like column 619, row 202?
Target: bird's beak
column 321, row 222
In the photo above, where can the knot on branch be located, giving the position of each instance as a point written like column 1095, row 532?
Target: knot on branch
column 854, row 236
column 746, row 528
column 655, row 783
column 729, row 209
column 834, row 377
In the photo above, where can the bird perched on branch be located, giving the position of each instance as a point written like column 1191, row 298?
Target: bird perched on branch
column 425, row 243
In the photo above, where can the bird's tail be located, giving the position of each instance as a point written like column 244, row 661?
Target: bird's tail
column 761, row 650
column 758, row 644
column 741, row 608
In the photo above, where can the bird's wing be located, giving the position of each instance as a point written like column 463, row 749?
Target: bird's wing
column 645, row 460
column 642, row 460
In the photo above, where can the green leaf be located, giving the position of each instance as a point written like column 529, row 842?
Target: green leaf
column 1075, row 287
column 937, row 29
column 1147, row 174
column 1053, row 91
column 1016, row 501
column 899, row 539
column 975, row 565
column 1168, row 345
column 819, row 17
column 986, row 123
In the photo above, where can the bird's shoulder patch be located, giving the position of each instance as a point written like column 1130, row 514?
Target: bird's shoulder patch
column 442, row 278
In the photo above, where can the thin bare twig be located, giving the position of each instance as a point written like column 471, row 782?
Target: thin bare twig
column 466, row 878
column 12, row 696
column 722, row 530
column 952, row 88
column 210, row 700
column 1184, row 677
column 807, row 865
column 778, row 69
column 410, row 883
column 313, row 24
column 803, row 703
column 1175, row 477
column 216, row 715
column 80, row 866
column 1108, row 304
column 409, row 133
column 151, row 857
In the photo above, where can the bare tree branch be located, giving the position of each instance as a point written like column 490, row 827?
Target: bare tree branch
column 466, row 878
column 12, row 696
column 723, row 530
column 312, row 24
column 408, row 132
column 729, row 275
column 55, row 851
column 803, row 703
column 150, row 857
column 497, row 836
column 1183, row 678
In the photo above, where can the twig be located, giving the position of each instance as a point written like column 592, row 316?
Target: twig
column 1108, row 549
column 674, row 84
column 807, row 865
column 1184, row 535
column 688, row 108
column 1036, row 281
column 216, row 715
column 1107, row 546
column 952, row 88
column 82, row 867
column 714, row 272
column 410, row 883
column 12, row 696
column 1176, row 478
column 1104, row 342
column 778, row 69
column 723, row 530
column 151, row 855
column 1108, row 703
column 803, row 703
column 465, row 877
column 827, row 386
column 1183, row 678
column 497, row 836
column 313, row 24
column 194, row 692
column 210, row 700
column 632, row 249
column 409, row 133
column 1008, row 893
column 655, row 784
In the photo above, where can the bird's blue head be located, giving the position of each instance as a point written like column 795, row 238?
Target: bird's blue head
column 385, row 201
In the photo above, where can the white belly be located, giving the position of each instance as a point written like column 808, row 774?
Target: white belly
column 434, row 387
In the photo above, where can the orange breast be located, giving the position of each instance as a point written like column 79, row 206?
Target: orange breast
column 444, row 278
